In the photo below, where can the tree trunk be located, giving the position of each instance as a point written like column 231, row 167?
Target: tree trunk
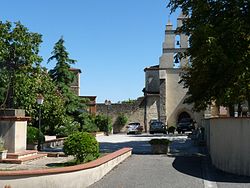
column 231, row 110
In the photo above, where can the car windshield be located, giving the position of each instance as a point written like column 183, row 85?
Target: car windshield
column 134, row 124
column 157, row 124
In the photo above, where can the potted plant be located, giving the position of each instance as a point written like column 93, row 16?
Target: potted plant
column 3, row 151
column 159, row 146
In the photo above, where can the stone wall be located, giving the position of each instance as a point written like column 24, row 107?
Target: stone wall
column 134, row 112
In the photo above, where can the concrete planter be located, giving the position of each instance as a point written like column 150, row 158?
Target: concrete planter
column 159, row 146
column 3, row 154
column 159, row 149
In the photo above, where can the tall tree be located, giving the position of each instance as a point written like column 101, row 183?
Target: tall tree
column 219, row 39
column 63, row 77
column 61, row 74
column 18, row 53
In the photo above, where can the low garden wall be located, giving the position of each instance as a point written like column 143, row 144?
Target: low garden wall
column 52, row 143
column 80, row 176
column 228, row 142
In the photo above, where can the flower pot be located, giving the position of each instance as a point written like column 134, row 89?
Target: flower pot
column 3, row 154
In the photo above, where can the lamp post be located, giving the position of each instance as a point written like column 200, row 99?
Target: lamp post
column 39, row 101
column 107, row 103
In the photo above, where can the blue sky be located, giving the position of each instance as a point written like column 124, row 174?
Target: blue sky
column 112, row 41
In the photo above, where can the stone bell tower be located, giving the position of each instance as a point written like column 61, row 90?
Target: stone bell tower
column 172, row 94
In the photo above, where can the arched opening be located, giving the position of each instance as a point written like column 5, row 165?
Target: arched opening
column 177, row 41
column 184, row 115
column 177, row 60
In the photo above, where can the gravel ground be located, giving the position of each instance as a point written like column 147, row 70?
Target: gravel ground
column 45, row 162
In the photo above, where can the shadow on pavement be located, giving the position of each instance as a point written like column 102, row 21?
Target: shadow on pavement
column 192, row 160
column 139, row 147
column 156, row 135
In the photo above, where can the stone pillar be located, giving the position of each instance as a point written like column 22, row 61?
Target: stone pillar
column 13, row 129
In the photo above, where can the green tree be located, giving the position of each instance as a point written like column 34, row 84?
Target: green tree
column 18, row 53
column 219, row 51
column 28, row 86
column 61, row 74
column 63, row 78
column 22, row 78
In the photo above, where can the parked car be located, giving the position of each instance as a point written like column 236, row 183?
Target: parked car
column 134, row 128
column 185, row 124
column 157, row 127
column 153, row 120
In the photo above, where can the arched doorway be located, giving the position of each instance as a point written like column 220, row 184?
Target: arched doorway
column 183, row 115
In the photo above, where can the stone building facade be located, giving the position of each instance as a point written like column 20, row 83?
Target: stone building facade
column 75, row 85
column 163, row 95
column 75, row 88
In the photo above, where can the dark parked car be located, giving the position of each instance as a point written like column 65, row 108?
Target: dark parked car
column 134, row 128
column 185, row 124
column 157, row 127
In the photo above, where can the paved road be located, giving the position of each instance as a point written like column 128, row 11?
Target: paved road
column 188, row 167
column 154, row 171
column 139, row 143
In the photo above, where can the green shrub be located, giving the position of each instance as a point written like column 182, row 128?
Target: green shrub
column 129, row 101
column 90, row 127
column 83, row 146
column 68, row 129
column 102, row 122
column 159, row 141
column 32, row 135
column 87, row 122
column 122, row 119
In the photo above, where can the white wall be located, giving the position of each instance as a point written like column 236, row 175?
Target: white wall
column 228, row 140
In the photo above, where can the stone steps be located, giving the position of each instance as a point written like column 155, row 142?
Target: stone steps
column 20, row 157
